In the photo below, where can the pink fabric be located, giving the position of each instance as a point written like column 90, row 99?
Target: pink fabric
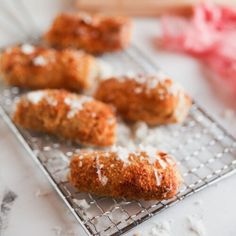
column 209, row 35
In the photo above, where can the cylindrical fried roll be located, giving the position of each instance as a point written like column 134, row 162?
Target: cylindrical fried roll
column 93, row 33
column 74, row 117
column 152, row 99
column 32, row 67
column 142, row 174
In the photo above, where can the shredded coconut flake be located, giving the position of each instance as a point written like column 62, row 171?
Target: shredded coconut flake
column 37, row 96
column 41, row 193
column 86, row 18
column 27, row 49
column 103, row 179
column 161, row 229
column 81, row 203
column 76, row 104
column 158, row 177
column 122, row 154
column 152, row 155
column 196, row 226
column 39, row 61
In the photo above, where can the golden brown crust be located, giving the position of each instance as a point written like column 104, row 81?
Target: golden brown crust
column 105, row 174
column 145, row 98
column 40, row 68
column 74, row 117
column 93, row 33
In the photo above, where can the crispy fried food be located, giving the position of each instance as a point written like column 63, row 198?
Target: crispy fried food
column 75, row 117
column 32, row 67
column 152, row 99
column 143, row 174
column 93, row 33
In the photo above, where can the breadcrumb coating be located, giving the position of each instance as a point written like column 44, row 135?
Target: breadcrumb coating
column 152, row 99
column 120, row 173
column 93, row 33
column 74, row 117
column 34, row 67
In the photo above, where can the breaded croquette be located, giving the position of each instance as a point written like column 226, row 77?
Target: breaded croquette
column 152, row 99
column 75, row 117
column 34, row 67
column 143, row 174
column 93, row 33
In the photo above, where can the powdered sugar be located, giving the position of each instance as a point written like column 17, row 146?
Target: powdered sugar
column 153, row 156
column 37, row 96
column 102, row 178
column 122, row 154
column 76, row 104
column 39, row 61
column 27, row 49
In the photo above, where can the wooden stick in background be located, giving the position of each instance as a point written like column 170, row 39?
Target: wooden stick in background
column 137, row 7
column 143, row 7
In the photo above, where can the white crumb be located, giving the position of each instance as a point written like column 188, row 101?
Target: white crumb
column 35, row 97
column 81, row 203
column 196, row 226
column 161, row 229
column 39, row 61
column 27, row 49
column 76, row 104
column 42, row 193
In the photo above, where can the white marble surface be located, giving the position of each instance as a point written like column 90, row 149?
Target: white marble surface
column 47, row 215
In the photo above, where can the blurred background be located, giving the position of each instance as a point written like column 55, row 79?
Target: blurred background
column 193, row 41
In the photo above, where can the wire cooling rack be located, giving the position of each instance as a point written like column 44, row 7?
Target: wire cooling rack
column 203, row 149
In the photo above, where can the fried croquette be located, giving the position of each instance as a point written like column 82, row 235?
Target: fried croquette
column 143, row 174
column 153, row 99
column 34, row 67
column 93, row 33
column 74, row 117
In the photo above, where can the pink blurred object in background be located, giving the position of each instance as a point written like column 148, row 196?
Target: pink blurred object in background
column 209, row 35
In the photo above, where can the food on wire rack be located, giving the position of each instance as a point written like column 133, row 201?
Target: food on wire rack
column 153, row 99
column 75, row 117
column 142, row 174
column 93, row 33
column 34, row 67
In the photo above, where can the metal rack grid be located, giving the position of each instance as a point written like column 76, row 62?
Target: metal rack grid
column 205, row 153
